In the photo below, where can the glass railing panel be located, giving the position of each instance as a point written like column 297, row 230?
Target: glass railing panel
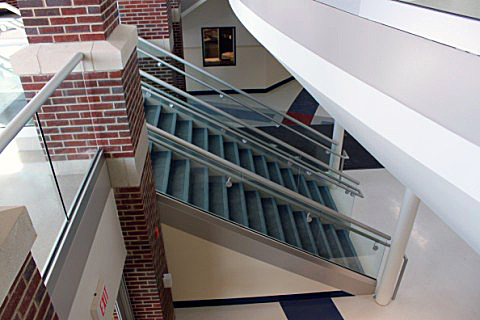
column 156, row 105
column 277, row 212
column 241, row 105
column 43, row 168
column 292, row 150
column 12, row 39
column 71, row 136
column 27, row 179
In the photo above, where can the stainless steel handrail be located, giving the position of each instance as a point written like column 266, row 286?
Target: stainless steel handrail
column 239, row 91
column 258, row 143
column 300, row 200
column 17, row 123
column 400, row 277
column 246, row 125
column 278, row 123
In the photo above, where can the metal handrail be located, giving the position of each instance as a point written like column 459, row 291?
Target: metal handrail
column 400, row 277
column 246, row 125
column 21, row 119
column 258, row 143
column 300, row 200
column 278, row 123
column 239, row 91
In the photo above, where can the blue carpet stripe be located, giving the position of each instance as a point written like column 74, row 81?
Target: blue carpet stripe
column 312, row 309
column 267, row 299
column 304, row 103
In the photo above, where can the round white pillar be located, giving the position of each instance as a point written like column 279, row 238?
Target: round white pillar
column 403, row 229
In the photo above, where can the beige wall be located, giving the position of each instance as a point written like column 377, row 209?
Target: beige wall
column 204, row 270
column 105, row 261
column 255, row 67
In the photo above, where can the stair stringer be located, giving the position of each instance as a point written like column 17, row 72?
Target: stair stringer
column 232, row 236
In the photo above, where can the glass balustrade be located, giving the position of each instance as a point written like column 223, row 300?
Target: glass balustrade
column 235, row 102
column 260, row 194
column 160, row 104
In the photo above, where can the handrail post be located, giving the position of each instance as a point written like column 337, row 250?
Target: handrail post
column 338, row 135
column 400, row 277
column 408, row 212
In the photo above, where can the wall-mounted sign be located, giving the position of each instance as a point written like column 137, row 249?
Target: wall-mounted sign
column 100, row 302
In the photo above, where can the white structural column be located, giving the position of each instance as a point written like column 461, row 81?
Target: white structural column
column 338, row 134
column 403, row 229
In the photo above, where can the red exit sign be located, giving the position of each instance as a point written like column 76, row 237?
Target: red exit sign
column 100, row 303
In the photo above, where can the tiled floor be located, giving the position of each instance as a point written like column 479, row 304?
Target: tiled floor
column 442, row 280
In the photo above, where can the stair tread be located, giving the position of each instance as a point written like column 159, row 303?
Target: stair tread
column 237, row 204
column 231, row 152
column 179, row 179
column 272, row 219
column 349, row 250
column 320, row 237
column 218, row 198
column 215, row 145
column 168, row 122
column 314, row 192
column 288, row 226
column 199, row 188
column 246, row 159
column 161, row 162
column 256, row 218
column 152, row 114
column 261, row 166
column 302, row 186
column 288, row 179
column 335, row 245
column 274, row 172
column 327, row 197
column 306, row 237
column 200, row 137
column 184, row 130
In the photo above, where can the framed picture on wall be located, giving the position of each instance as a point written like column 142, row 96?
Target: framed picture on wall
column 218, row 46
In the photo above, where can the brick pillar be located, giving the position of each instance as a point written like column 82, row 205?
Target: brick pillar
column 48, row 21
column 160, row 22
column 100, row 105
column 28, row 298
column 141, row 231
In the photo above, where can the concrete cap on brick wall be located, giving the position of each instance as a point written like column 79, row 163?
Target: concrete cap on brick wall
column 16, row 240
column 49, row 58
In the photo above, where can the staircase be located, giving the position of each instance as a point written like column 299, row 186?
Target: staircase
column 222, row 179
column 237, row 203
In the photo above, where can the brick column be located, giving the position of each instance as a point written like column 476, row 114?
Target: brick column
column 100, row 105
column 28, row 298
column 159, row 22
column 23, row 294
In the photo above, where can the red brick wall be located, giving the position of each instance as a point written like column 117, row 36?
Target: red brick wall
column 154, row 21
column 150, row 17
column 92, row 110
column 176, row 29
column 28, row 298
column 11, row 2
column 49, row 21
column 164, row 73
column 145, row 263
